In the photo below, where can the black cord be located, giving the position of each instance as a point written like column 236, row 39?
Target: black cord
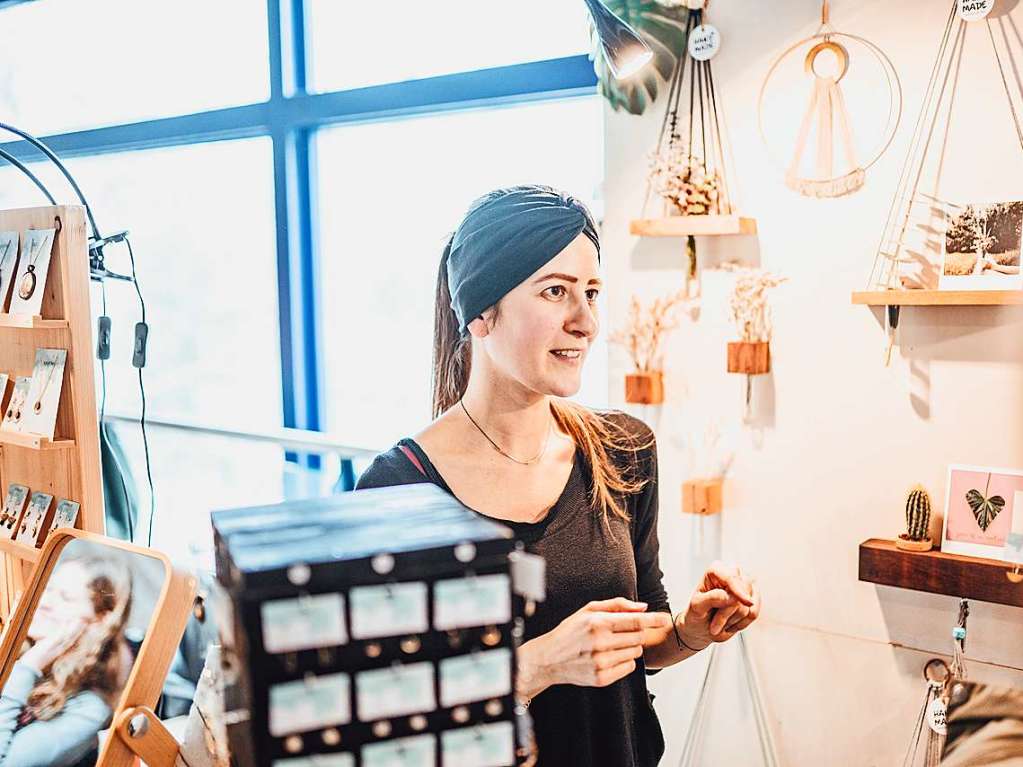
column 142, row 393
column 32, row 176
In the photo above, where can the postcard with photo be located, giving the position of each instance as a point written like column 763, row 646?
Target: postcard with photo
column 33, row 267
column 981, row 249
column 982, row 507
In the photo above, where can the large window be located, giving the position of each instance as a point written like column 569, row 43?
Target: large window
column 389, row 195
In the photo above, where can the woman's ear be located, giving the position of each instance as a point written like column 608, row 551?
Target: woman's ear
column 478, row 328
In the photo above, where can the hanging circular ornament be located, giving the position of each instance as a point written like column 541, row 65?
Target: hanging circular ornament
column 704, row 42
column 974, row 10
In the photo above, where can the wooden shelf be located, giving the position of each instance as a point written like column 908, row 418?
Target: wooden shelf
column 20, row 550
column 938, row 573
column 682, row 226
column 34, row 441
column 938, row 297
column 31, row 321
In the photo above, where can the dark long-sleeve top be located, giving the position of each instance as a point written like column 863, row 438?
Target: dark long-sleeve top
column 58, row 742
column 586, row 560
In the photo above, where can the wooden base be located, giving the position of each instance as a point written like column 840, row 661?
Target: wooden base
column 938, row 297
column 34, row 441
column 30, row 321
column 751, row 358
column 683, row 226
column 645, row 388
column 905, row 544
column 702, row 496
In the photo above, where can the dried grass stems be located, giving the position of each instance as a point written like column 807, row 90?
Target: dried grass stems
column 683, row 182
column 749, row 308
column 646, row 328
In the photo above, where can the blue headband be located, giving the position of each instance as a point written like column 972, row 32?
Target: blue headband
column 506, row 236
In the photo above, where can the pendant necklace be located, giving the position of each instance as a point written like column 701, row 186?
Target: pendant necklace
column 3, row 260
column 28, row 282
column 38, row 406
column 534, row 459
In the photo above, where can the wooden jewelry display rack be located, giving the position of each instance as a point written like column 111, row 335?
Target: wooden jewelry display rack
column 68, row 466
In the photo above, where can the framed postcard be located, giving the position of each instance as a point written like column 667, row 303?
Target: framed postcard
column 33, row 266
column 34, row 518
column 39, row 415
column 981, row 248
column 16, row 405
column 8, row 263
column 983, row 506
column 14, row 505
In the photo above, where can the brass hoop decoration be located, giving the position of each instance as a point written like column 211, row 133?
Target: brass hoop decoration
column 936, row 670
column 827, row 45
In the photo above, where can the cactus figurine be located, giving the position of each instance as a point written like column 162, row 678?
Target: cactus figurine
column 918, row 522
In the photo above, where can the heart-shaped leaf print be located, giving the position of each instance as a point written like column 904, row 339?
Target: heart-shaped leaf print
column 984, row 509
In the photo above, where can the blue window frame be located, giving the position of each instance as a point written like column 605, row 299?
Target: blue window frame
column 290, row 118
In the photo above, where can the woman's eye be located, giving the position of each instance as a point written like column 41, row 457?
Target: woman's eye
column 559, row 288
column 592, row 294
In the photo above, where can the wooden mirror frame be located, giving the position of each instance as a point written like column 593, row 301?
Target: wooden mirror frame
column 166, row 627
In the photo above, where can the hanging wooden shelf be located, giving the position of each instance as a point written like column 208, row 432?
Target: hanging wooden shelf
column 938, row 297
column 34, row 441
column 31, row 321
column 938, row 573
column 683, row 226
column 19, row 550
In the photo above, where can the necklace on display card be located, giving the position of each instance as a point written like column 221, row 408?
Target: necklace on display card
column 8, row 262
column 40, row 411
column 15, row 409
column 33, row 267
column 14, row 505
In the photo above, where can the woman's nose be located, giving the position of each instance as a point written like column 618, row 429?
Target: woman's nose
column 583, row 322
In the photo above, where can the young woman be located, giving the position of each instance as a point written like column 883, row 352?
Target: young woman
column 63, row 688
column 515, row 317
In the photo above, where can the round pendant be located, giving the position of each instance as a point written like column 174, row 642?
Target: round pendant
column 38, row 407
column 27, row 286
column 17, row 415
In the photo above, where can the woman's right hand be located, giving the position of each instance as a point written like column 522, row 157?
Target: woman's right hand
column 44, row 652
column 594, row 647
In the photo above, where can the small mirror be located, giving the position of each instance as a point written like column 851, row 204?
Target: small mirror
column 93, row 635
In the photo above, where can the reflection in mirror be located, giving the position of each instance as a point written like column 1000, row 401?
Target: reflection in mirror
column 78, row 652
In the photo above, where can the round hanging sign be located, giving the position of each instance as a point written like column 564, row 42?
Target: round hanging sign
column 936, row 716
column 704, row 42
column 973, row 10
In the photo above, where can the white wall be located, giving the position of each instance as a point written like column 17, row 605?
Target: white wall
column 836, row 438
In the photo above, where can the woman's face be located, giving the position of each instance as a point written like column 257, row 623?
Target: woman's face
column 545, row 325
column 65, row 601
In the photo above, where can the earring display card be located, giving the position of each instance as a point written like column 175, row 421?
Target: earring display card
column 418, row 751
column 479, row 601
column 16, row 406
column 320, row 760
column 66, row 514
column 303, row 623
column 379, row 611
column 394, row 691
column 477, row 676
column 33, row 266
column 8, row 262
column 40, row 411
column 33, row 519
column 309, row 704
column 14, row 505
column 489, row 745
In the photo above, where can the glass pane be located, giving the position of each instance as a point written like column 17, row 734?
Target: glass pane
column 352, row 46
column 69, row 65
column 389, row 195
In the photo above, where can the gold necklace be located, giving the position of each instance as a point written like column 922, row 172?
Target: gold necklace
column 534, row 459
column 38, row 406
column 28, row 281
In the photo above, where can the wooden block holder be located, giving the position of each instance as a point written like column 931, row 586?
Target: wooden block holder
column 752, row 358
column 702, row 496
column 645, row 388
column 68, row 466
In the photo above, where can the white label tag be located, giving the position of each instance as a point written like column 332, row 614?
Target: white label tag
column 973, row 10
column 529, row 575
column 395, row 691
column 309, row 704
column 304, row 623
column 380, row 611
column 704, row 42
column 320, row 760
column 477, row 676
column 403, row 752
column 936, row 716
column 480, row 601
column 489, row 745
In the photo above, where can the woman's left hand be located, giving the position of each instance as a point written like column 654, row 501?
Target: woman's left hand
column 724, row 603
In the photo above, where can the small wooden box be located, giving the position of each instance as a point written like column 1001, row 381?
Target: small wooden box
column 646, row 388
column 751, row 358
column 702, row 496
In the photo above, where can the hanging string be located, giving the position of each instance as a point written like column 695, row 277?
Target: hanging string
column 1005, row 84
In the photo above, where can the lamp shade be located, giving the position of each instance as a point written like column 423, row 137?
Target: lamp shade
column 625, row 51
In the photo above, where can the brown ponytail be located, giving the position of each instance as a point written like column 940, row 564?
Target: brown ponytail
column 596, row 435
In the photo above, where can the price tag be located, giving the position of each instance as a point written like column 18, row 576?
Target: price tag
column 704, row 42
column 481, row 601
column 403, row 752
column 477, row 676
column 395, row 691
column 974, row 10
column 304, row 623
column 936, row 716
column 309, row 704
column 489, row 745
column 379, row 611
